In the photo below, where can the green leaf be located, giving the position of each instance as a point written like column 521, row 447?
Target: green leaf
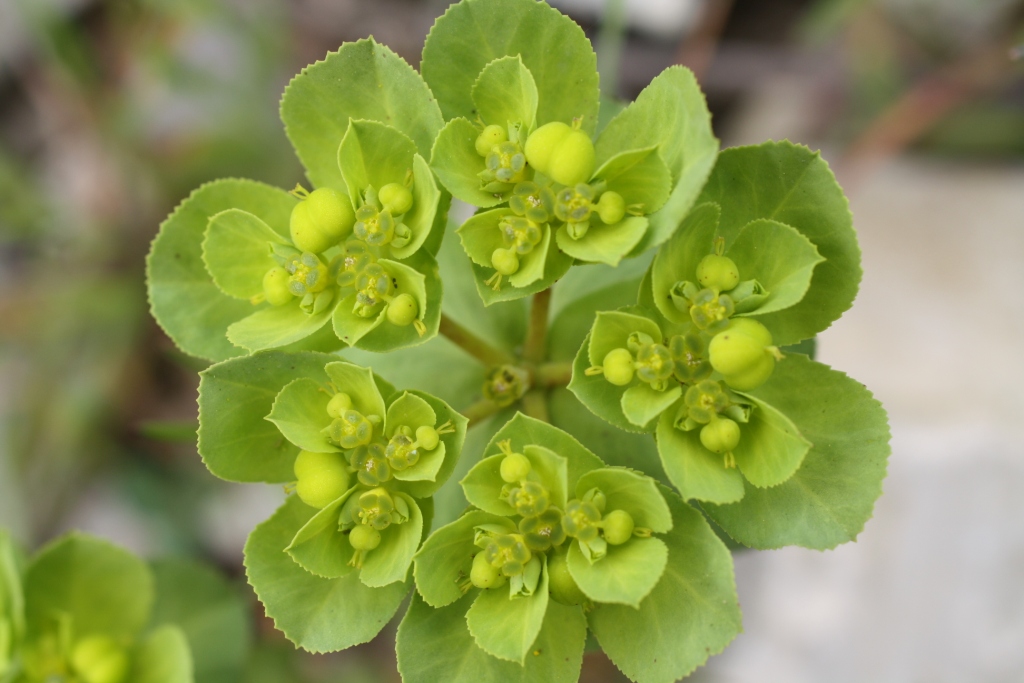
column 320, row 547
column 677, row 260
column 235, row 441
column 318, row 615
column 481, row 235
column 690, row 615
column 373, row 154
column 790, row 184
column 694, row 470
column 778, row 257
column 833, row 493
column 612, row 329
column 390, row 561
column 603, row 243
column 641, row 403
column 163, row 657
column 12, row 597
column 631, row 491
column 670, row 113
column 507, row 627
column 450, row 447
column 505, row 93
column 183, row 298
column 770, row 448
column 455, row 161
column 429, row 211
column 411, row 411
column 483, row 484
column 300, row 412
column 104, row 589
column 236, row 251
column 554, row 48
column 556, row 264
column 446, row 557
column 362, row 80
column 625, row 575
column 640, row 176
column 523, row 430
column 210, row 611
column 276, row 326
column 359, row 384
column 435, row 645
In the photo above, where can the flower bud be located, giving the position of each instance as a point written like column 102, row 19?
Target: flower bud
column 617, row 526
column 99, row 659
column 321, row 220
column 490, row 137
column 561, row 585
column 718, row 273
column 484, row 574
column 619, row 367
column 542, row 143
column 322, row 478
column 364, row 537
column 275, row 286
column 395, row 198
column 721, row 435
column 402, row 310
column 515, row 467
column 611, row 207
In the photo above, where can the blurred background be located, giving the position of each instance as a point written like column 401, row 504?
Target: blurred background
column 111, row 111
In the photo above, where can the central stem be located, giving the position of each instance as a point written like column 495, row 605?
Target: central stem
column 535, row 348
column 473, row 345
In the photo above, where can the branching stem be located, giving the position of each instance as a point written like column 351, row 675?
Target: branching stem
column 474, row 345
column 535, row 348
column 552, row 374
column 481, row 410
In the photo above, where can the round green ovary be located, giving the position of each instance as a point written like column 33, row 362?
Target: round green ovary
column 617, row 526
column 561, row 585
column 395, row 198
column 515, row 467
column 364, row 537
column 611, row 208
column 321, row 220
column 718, row 273
column 619, row 367
column 402, row 310
column 490, row 137
column 573, row 160
column 721, row 435
column 427, row 437
column 321, row 478
column 505, row 261
column 732, row 352
column 484, row 574
column 542, row 143
column 275, row 286
column 99, row 659
column 338, row 404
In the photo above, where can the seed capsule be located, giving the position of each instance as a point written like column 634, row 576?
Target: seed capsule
column 753, row 377
column 573, row 161
column 619, row 367
column 364, row 537
column 322, row 478
column 427, row 437
column 275, row 286
column 733, row 352
column 561, row 585
column 542, row 143
column 402, row 310
column 395, row 198
column 490, row 137
column 515, row 467
column 338, row 404
column 718, row 273
column 721, row 435
column 321, row 220
column 617, row 526
column 484, row 574
column 751, row 328
column 611, row 208
column 99, row 659
column 505, row 261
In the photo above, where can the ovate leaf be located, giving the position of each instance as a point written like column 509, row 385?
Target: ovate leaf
column 320, row 547
column 423, row 479
column 552, row 47
column 300, row 412
column 828, row 500
column 691, row 614
column 625, row 575
column 641, row 403
column 505, row 93
column 276, row 326
column 186, row 303
column 770, row 447
column 677, row 261
column 318, row 615
column 694, row 470
column 236, row 251
column 362, row 80
column 603, row 243
column 506, row 627
column 640, row 176
column 163, row 657
column 235, row 441
column 455, row 161
column 390, row 561
column 359, row 384
column 445, row 559
column 628, row 490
